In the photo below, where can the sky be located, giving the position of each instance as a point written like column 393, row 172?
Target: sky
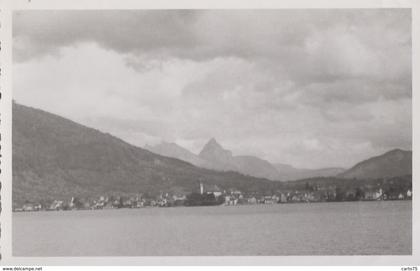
column 309, row 88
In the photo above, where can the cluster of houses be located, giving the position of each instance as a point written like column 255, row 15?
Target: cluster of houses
column 230, row 197
column 106, row 202
column 237, row 198
column 334, row 194
column 380, row 195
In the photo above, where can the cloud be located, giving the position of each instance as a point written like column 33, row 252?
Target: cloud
column 290, row 86
column 330, row 43
column 122, row 31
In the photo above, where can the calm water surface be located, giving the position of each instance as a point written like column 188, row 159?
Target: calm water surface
column 348, row 228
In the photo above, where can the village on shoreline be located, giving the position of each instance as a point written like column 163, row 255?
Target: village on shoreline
column 217, row 197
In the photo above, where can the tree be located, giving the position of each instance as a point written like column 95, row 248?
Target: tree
column 360, row 194
column 78, row 204
column 339, row 194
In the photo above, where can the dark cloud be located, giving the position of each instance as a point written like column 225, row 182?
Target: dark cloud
column 307, row 46
column 123, row 31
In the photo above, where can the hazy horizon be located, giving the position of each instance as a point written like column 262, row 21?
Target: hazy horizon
column 309, row 88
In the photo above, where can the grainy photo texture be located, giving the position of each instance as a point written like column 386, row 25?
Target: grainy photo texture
column 212, row 132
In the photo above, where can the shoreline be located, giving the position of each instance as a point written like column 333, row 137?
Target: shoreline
column 221, row 205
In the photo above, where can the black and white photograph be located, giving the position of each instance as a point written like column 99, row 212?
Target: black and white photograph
column 212, row 132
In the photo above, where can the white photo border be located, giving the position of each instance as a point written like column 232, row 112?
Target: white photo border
column 7, row 8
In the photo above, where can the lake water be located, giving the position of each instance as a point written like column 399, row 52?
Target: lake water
column 347, row 228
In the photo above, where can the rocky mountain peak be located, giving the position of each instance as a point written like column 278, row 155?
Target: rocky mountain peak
column 215, row 153
column 213, row 147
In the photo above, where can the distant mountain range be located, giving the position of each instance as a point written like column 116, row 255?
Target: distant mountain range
column 56, row 158
column 393, row 163
column 291, row 173
column 175, row 151
column 214, row 156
